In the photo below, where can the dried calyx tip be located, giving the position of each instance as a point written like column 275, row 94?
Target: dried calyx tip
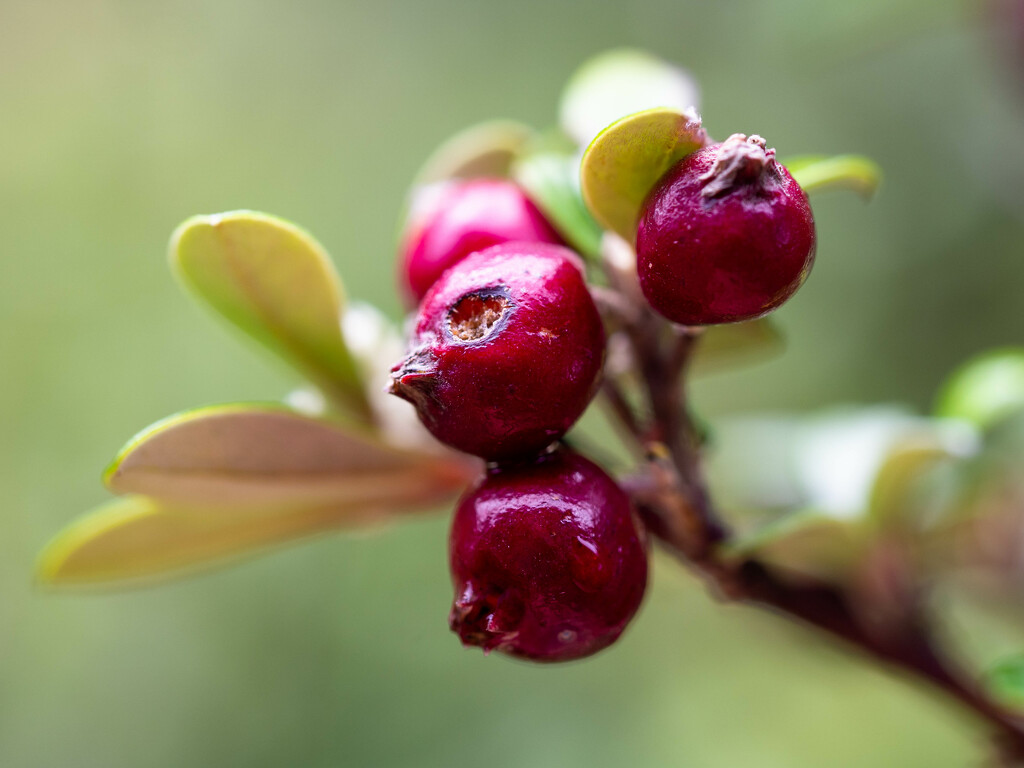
column 413, row 377
column 488, row 621
column 475, row 315
column 740, row 159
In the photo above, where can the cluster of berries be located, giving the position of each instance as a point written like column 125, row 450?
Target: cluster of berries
column 548, row 557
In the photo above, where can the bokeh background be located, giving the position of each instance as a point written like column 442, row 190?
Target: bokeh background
column 120, row 119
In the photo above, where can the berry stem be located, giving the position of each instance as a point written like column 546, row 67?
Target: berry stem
column 672, row 497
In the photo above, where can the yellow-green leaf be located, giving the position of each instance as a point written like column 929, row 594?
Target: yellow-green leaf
column 625, row 161
column 225, row 481
column 853, row 172
column 274, row 282
column 267, row 454
column 620, row 82
column 484, row 150
column 896, row 494
column 804, row 542
column 1005, row 681
column 985, row 389
column 723, row 346
column 138, row 539
column 551, row 179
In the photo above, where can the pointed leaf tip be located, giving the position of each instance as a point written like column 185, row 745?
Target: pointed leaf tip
column 275, row 283
column 851, row 172
column 136, row 540
column 256, row 454
column 216, row 484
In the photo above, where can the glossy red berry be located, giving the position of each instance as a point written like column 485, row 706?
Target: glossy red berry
column 506, row 351
column 456, row 218
column 547, row 560
column 726, row 235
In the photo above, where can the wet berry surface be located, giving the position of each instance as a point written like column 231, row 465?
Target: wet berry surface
column 506, row 351
column 458, row 218
column 727, row 235
column 547, row 560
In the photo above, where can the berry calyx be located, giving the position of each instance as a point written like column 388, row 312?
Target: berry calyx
column 453, row 219
column 506, row 351
column 726, row 235
column 547, row 560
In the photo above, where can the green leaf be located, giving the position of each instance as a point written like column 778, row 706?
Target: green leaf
column 274, row 282
column 552, row 182
column 899, row 491
column 266, row 454
column 725, row 346
column 226, row 481
column 137, row 539
column 828, row 461
column 750, row 541
column 625, row 161
column 985, row 389
column 815, row 173
column 484, row 150
column 806, row 542
column 826, row 482
column 1005, row 681
column 621, row 82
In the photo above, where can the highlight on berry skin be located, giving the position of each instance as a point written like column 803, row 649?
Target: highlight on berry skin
column 612, row 555
column 449, row 220
column 506, row 351
column 523, row 253
column 727, row 235
column 548, row 560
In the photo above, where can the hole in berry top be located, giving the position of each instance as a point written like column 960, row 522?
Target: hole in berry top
column 476, row 315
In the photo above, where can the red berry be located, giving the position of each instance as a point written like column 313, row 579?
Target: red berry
column 547, row 560
column 456, row 218
column 726, row 235
column 506, row 351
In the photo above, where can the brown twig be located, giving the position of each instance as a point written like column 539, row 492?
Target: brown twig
column 622, row 411
column 673, row 500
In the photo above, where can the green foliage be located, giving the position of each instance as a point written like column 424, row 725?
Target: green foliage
column 814, row 493
column 725, row 346
column 1005, row 681
column 275, row 283
column 551, row 179
column 218, row 482
column 627, row 158
column 850, row 172
column 985, row 389
column 214, row 647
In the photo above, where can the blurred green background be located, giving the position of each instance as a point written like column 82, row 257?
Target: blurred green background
column 120, row 119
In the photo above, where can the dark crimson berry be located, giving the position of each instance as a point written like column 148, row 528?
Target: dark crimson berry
column 454, row 219
column 726, row 235
column 506, row 351
column 547, row 560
